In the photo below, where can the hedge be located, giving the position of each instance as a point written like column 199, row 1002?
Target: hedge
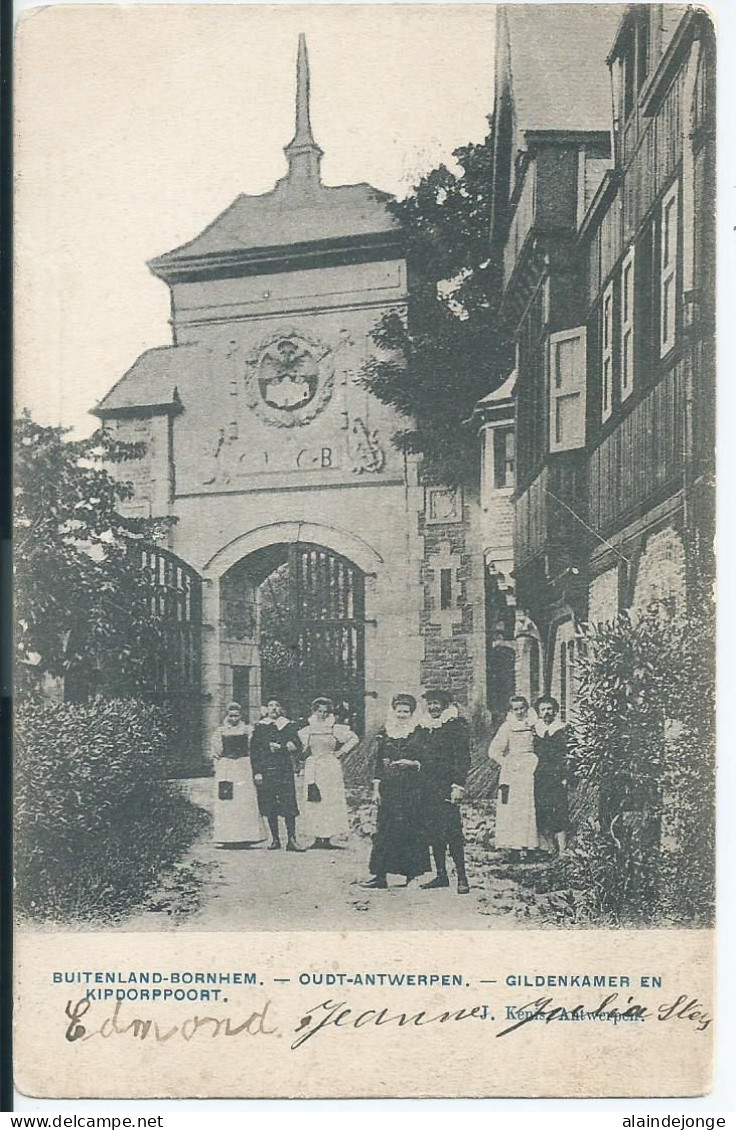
column 97, row 825
column 644, row 742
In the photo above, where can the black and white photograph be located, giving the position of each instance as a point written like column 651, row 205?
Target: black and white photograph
column 364, row 468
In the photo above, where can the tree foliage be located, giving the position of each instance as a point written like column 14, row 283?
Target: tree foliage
column 434, row 364
column 82, row 600
column 644, row 738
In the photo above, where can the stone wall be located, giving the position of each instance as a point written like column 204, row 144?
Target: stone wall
column 603, row 597
column 452, row 619
column 661, row 572
column 152, row 475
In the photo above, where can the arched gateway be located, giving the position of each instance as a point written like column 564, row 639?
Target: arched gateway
column 294, row 599
column 297, row 615
column 324, row 565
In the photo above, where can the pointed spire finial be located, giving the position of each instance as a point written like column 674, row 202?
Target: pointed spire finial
column 302, row 151
column 303, row 135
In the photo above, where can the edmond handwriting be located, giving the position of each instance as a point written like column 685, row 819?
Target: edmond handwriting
column 146, row 1028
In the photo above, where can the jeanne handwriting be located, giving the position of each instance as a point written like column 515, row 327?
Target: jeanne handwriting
column 140, row 1028
column 336, row 1014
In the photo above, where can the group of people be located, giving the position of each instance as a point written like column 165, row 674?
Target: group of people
column 276, row 770
column 532, row 805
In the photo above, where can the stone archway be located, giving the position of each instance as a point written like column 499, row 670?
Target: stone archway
column 322, row 583
column 292, row 627
column 353, row 548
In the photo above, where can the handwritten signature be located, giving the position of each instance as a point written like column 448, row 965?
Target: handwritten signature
column 339, row 1015
column 335, row 1014
column 142, row 1029
column 545, row 1009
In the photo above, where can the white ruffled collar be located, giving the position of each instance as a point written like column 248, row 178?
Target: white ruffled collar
column 321, row 725
column 236, row 730
column 447, row 715
column 543, row 731
column 396, row 729
column 279, row 722
column 528, row 722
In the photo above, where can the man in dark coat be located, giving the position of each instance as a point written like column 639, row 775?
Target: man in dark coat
column 551, row 775
column 443, row 750
column 274, row 747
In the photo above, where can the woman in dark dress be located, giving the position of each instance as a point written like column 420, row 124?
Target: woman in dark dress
column 399, row 845
column 551, row 775
column 274, row 747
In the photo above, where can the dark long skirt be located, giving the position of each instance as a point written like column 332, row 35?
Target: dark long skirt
column 400, row 843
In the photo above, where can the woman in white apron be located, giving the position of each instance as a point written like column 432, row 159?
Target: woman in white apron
column 237, row 817
column 513, row 749
column 325, row 808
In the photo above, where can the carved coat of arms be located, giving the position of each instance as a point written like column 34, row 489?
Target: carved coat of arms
column 289, row 379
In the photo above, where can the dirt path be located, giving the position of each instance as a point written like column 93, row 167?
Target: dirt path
column 256, row 889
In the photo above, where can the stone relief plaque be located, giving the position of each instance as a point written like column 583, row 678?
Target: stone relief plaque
column 444, row 504
column 289, row 379
column 286, row 382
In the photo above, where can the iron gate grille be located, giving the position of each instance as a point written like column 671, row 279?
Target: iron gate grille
column 172, row 673
column 324, row 626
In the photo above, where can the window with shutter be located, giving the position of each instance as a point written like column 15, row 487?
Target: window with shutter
column 607, row 353
column 567, row 389
column 627, row 325
column 668, row 271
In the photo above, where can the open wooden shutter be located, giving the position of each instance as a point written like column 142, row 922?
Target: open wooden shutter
column 567, row 389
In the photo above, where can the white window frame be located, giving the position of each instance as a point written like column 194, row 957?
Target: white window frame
column 607, row 352
column 669, row 243
column 486, row 457
column 628, row 337
column 506, row 430
column 576, row 388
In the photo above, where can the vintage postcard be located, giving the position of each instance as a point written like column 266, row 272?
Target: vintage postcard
column 364, row 546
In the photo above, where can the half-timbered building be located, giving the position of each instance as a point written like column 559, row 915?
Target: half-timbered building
column 603, row 200
column 648, row 245
column 553, row 147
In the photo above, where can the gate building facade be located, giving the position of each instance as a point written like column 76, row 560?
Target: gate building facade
column 326, row 567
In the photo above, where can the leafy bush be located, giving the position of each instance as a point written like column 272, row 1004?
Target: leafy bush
column 96, row 825
column 644, row 742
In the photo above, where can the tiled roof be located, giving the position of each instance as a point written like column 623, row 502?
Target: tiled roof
column 152, row 380
column 557, row 55
column 291, row 213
